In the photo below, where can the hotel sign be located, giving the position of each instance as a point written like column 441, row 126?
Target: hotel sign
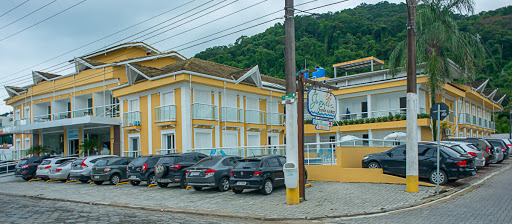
column 321, row 104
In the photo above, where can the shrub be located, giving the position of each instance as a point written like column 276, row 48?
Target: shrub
column 384, row 119
column 390, row 117
column 367, row 120
column 361, row 121
column 351, row 122
column 398, row 117
column 404, row 117
column 379, row 119
column 345, row 122
column 372, row 120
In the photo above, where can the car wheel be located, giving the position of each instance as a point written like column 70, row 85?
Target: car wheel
column 98, row 182
column 238, row 191
column 198, row 188
column 441, row 179
column 268, row 187
column 84, row 181
column 373, row 165
column 115, row 179
column 163, row 185
column 151, row 179
column 183, row 182
column 224, row 184
column 134, row 183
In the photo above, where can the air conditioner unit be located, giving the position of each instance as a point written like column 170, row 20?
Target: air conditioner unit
column 448, row 132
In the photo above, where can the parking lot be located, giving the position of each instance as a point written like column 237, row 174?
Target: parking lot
column 323, row 198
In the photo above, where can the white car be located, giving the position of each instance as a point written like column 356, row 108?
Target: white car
column 43, row 170
column 82, row 167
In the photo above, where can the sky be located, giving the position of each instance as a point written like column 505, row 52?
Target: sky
column 42, row 35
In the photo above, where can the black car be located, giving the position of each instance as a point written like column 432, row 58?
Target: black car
column 27, row 167
column 498, row 143
column 171, row 168
column 142, row 169
column 111, row 169
column 482, row 144
column 212, row 172
column 453, row 165
column 259, row 172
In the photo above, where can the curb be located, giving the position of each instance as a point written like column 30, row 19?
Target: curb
column 431, row 200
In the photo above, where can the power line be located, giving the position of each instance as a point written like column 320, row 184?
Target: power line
column 5, row 13
column 43, row 20
column 42, row 7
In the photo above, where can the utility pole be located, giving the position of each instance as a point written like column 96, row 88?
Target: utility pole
column 292, row 194
column 412, row 102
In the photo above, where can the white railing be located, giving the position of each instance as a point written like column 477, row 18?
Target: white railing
column 8, row 167
column 132, row 153
column 165, row 113
column 422, row 110
column 244, row 151
column 354, row 116
column 62, row 115
column 254, row 117
column 382, row 113
column 275, row 119
column 231, row 114
column 111, row 110
column 464, row 118
column 323, row 153
column 23, row 121
column 42, row 118
column 204, row 111
column 19, row 154
column 82, row 112
column 166, row 151
column 371, row 143
column 131, row 119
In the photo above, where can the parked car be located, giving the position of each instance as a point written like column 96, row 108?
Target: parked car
column 142, row 169
column 471, row 150
column 43, row 170
column 498, row 143
column 171, row 168
column 453, row 165
column 211, row 172
column 81, row 168
column 490, row 153
column 27, row 167
column 260, row 172
column 509, row 144
column 111, row 169
column 61, row 171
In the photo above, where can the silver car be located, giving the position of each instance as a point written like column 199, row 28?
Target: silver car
column 61, row 172
column 82, row 167
column 471, row 150
column 43, row 170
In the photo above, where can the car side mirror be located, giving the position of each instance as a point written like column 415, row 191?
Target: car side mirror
column 390, row 154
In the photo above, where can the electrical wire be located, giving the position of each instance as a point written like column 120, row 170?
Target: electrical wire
column 25, row 16
column 15, row 7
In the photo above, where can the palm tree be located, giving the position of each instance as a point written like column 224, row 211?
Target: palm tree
column 89, row 145
column 37, row 150
column 441, row 46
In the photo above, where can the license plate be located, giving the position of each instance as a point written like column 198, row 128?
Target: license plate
column 164, row 180
column 96, row 177
column 133, row 177
column 194, row 173
column 241, row 183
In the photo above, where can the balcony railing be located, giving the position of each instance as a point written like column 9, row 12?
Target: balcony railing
column 354, row 116
column 83, row 112
column 133, row 154
column 19, row 154
column 480, row 124
column 451, row 117
column 464, row 118
column 492, row 125
column 473, row 120
column 254, row 117
column 275, row 119
column 22, row 121
column 62, row 115
column 165, row 113
column 166, row 151
column 382, row 113
column 111, row 110
column 131, row 119
column 231, row 114
column 204, row 111
column 42, row 118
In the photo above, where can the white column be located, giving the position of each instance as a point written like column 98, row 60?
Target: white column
column 186, row 122
column 317, row 140
column 217, row 127
column 150, row 127
column 121, row 131
column 369, row 107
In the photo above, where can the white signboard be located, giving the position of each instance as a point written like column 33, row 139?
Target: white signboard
column 322, row 104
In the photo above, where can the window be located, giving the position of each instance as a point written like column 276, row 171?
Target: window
column 168, row 140
column 27, row 112
column 27, row 143
column 17, row 115
column 204, row 97
column 283, row 160
column 133, row 105
column 18, row 144
column 273, row 107
column 273, row 162
column 203, row 138
column 134, row 142
column 167, row 98
column 399, row 151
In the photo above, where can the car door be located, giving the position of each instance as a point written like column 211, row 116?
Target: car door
column 277, row 171
column 122, row 167
column 394, row 161
column 426, row 159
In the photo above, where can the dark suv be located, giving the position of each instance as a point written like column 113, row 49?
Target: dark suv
column 171, row 168
column 27, row 167
column 111, row 169
column 142, row 169
column 260, row 172
column 482, row 144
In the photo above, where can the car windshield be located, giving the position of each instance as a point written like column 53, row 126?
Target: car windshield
column 46, row 162
column 168, row 159
column 450, row 152
column 139, row 161
column 473, row 147
column 208, row 162
column 458, row 149
column 497, row 143
column 247, row 164
column 23, row 162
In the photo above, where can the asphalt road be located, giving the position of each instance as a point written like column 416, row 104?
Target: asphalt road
column 490, row 203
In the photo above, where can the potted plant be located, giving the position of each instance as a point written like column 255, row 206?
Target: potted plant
column 384, row 119
column 390, row 117
column 372, row 120
column 398, row 117
column 367, row 120
column 404, row 117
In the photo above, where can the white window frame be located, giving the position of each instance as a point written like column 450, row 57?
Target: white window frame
column 164, row 134
column 25, row 114
column 18, row 144
column 130, row 108
column 230, row 132
column 201, row 130
column 25, row 145
column 162, row 97
column 130, row 137
column 17, row 114
column 273, row 135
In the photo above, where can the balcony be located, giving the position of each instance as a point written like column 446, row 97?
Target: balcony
column 204, row 112
column 165, row 113
column 464, row 118
column 20, row 122
column 254, row 117
column 275, row 119
column 83, row 112
column 451, row 117
column 62, row 115
column 111, row 110
column 133, row 154
column 131, row 119
column 231, row 114
column 42, row 118
column 382, row 113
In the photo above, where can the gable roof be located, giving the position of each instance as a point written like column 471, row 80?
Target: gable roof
column 38, row 76
column 14, row 90
column 141, row 45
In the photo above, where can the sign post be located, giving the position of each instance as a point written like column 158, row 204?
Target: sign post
column 439, row 112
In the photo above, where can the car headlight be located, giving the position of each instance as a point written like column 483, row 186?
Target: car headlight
column 365, row 157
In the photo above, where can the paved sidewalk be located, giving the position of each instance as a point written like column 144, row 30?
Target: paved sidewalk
column 324, row 199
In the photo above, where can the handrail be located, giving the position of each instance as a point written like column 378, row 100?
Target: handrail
column 83, row 112
column 109, row 110
column 62, row 115
column 165, row 113
column 203, row 111
column 166, row 151
column 6, row 166
column 131, row 119
column 132, row 153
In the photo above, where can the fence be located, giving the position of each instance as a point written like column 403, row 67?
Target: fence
column 19, row 154
column 231, row 114
column 8, row 167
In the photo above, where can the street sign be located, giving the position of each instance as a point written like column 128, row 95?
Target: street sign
column 322, row 127
column 322, row 104
column 321, row 122
column 289, row 98
column 443, row 112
